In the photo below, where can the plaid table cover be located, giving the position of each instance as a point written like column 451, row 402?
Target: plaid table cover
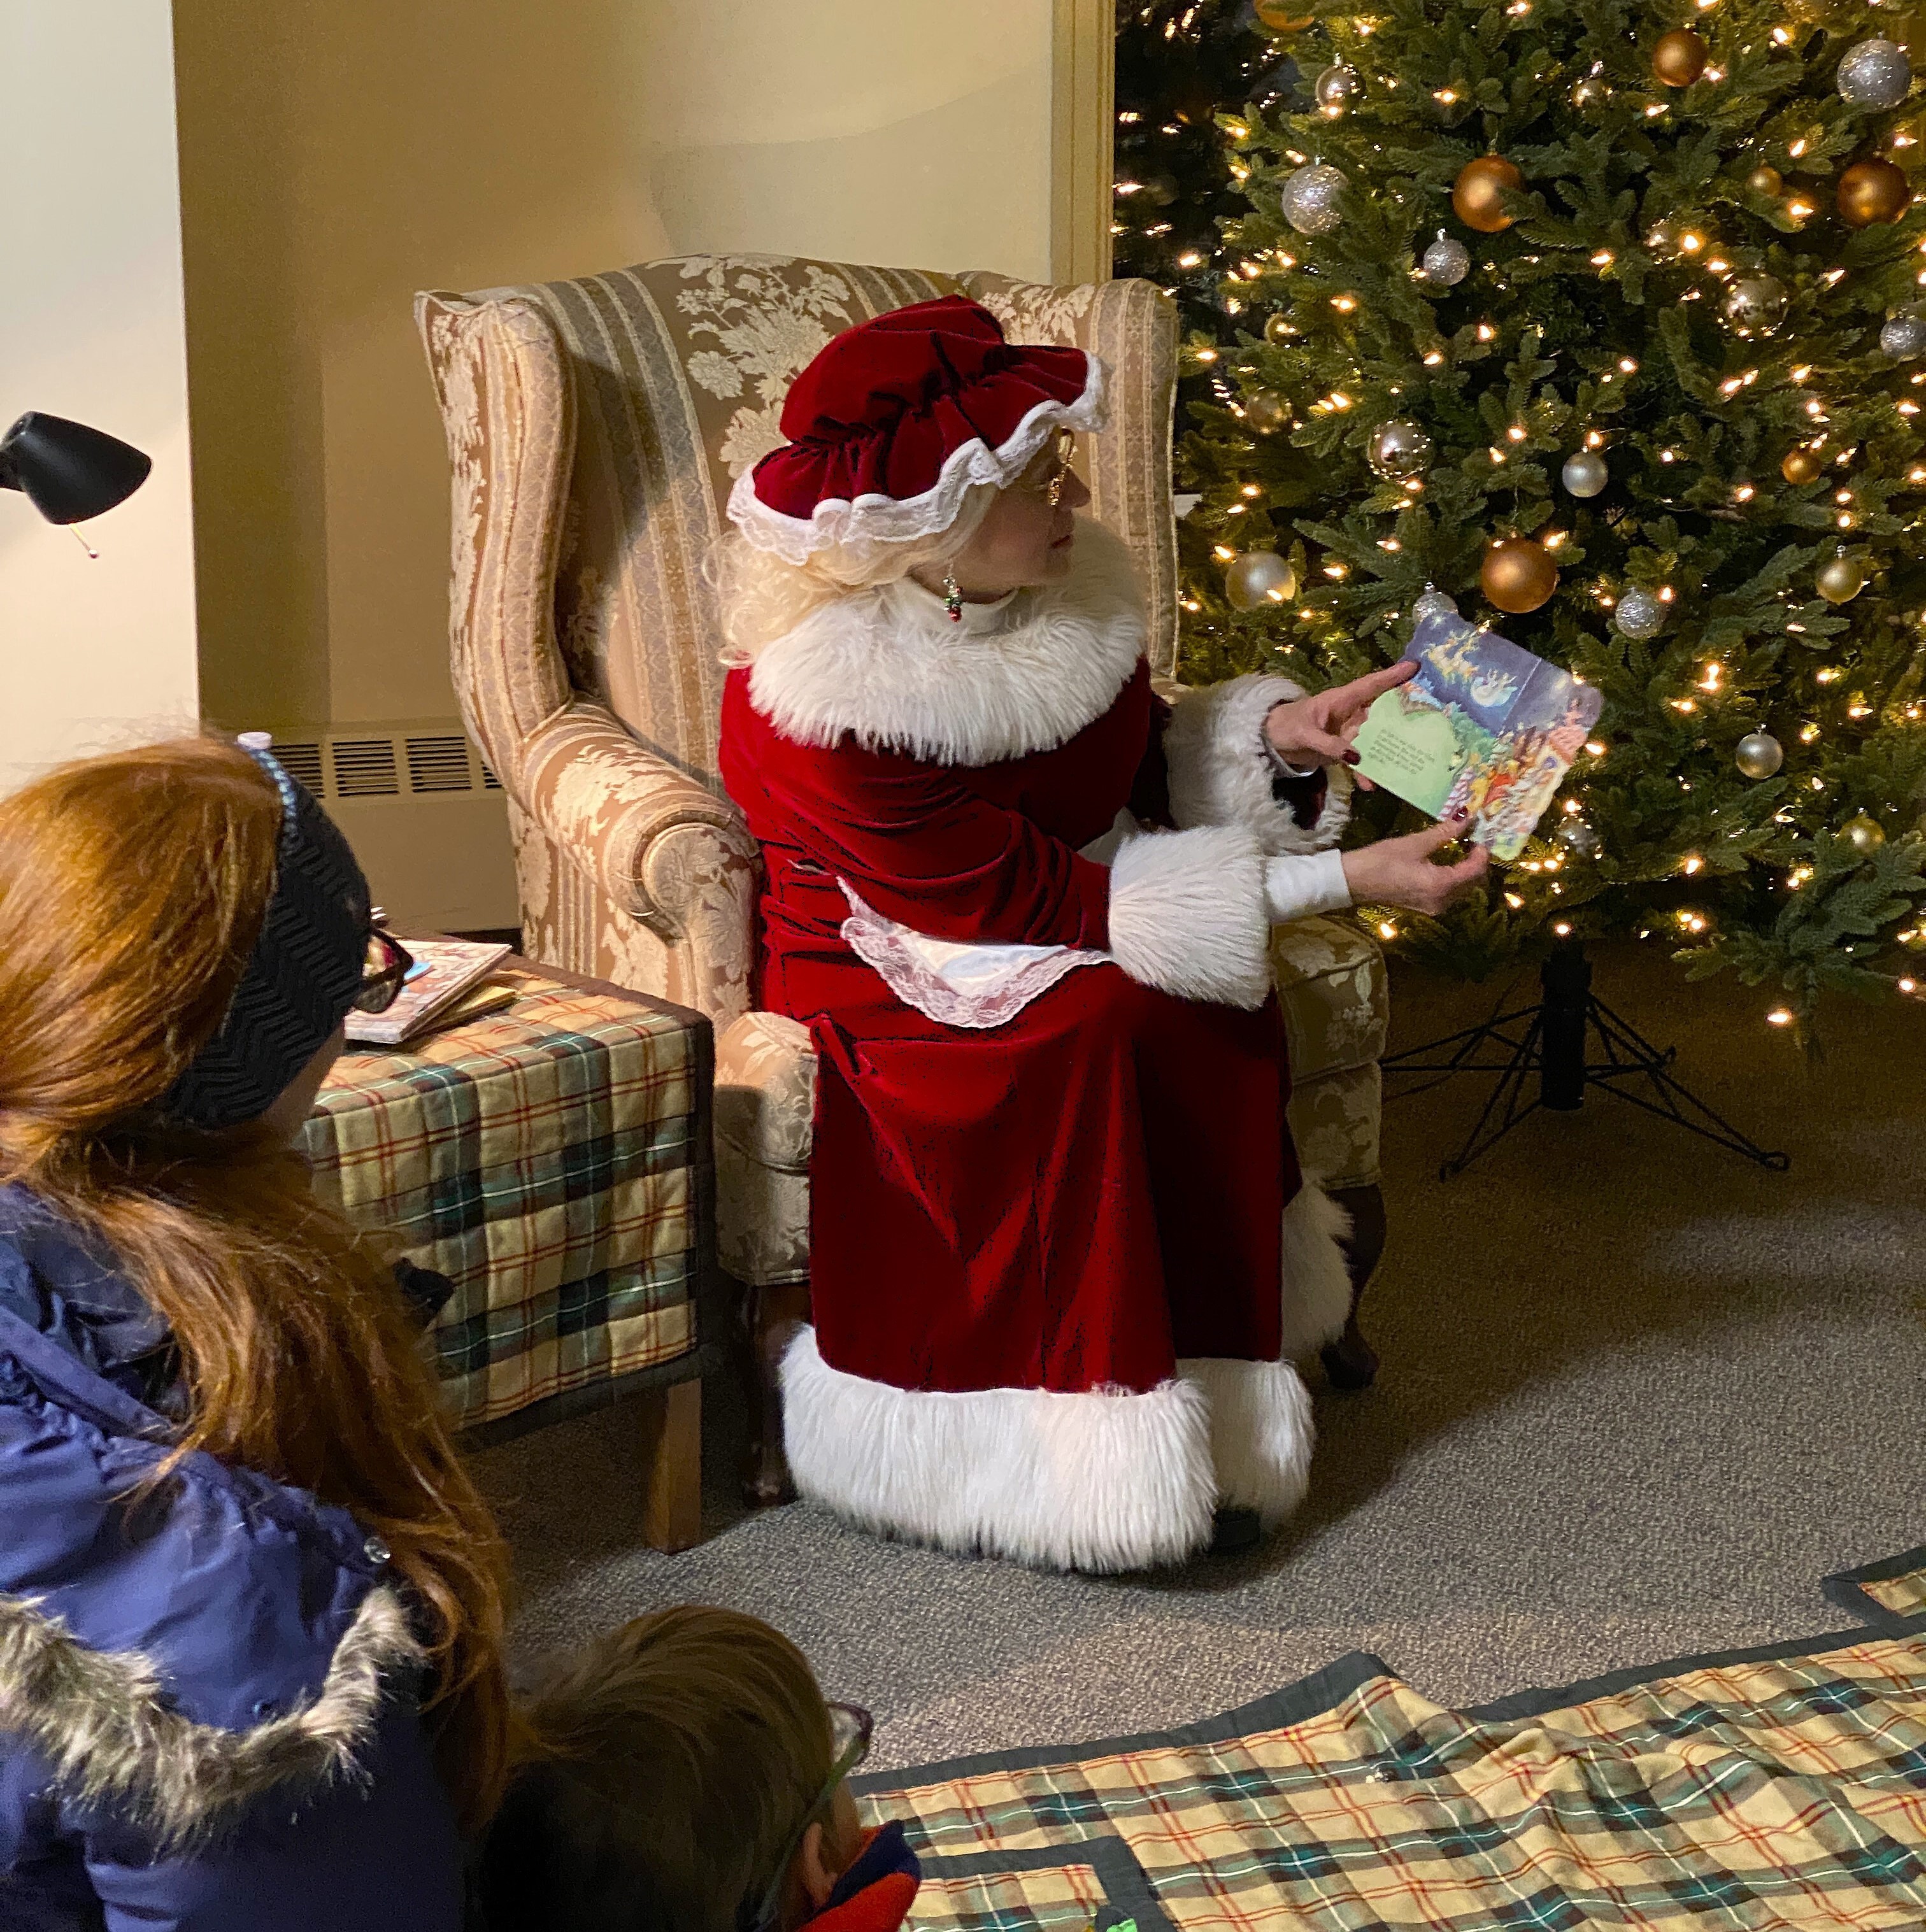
column 546, row 1160
column 1777, row 1788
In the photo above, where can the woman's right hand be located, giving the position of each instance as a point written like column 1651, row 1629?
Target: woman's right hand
column 1400, row 871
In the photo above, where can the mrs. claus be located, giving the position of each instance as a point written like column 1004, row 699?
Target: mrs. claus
column 1062, row 1259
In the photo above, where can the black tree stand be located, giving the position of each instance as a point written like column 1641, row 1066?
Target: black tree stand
column 1550, row 1039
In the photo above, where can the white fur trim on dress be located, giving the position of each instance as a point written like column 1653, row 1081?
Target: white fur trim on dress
column 881, row 519
column 1316, row 1282
column 1103, row 1481
column 1187, row 914
column 886, row 667
column 1262, row 1433
column 1220, row 772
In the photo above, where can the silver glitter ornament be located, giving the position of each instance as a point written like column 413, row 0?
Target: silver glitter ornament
column 1446, row 263
column 1759, row 755
column 1336, row 88
column 1756, row 304
column 1904, row 336
column 1584, row 474
column 1640, row 614
column 1310, row 198
column 1580, row 838
column 1876, row 73
column 1258, row 577
column 1398, row 449
column 1431, row 603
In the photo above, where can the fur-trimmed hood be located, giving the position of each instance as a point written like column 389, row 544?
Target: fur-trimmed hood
column 209, row 1681
column 888, row 668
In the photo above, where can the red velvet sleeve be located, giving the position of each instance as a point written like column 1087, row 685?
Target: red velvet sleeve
column 925, row 851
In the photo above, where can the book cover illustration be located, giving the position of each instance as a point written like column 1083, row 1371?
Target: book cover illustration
column 1484, row 727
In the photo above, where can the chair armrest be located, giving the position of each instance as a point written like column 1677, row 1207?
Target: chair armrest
column 652, row 839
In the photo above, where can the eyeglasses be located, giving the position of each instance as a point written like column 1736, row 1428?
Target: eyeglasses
column 389, row 963
column 1052, row 475
column 850, row 1729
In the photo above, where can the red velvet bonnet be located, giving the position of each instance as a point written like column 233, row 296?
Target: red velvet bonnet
column 895, row 417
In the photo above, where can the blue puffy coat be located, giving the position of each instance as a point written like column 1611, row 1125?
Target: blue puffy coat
column 208, row 1696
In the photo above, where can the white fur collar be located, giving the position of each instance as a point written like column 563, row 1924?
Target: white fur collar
column 889, row 668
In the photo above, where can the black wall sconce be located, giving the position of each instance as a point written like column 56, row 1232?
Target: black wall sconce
column 68, row 472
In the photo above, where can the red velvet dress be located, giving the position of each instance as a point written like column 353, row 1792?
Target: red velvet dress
column 1071, row 1200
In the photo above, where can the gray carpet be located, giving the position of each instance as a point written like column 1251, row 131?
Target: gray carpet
column 1637, row 1396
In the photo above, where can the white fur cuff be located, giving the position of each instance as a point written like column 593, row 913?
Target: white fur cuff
column 1187, row 914
column 1262, row 1433
column 1220, row 773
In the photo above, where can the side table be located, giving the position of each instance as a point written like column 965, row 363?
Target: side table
column 554, row 1161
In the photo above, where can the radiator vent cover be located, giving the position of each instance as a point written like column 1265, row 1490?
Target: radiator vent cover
column 439, row 763
column 364, row 768
column 302, row 761
column 423, row 812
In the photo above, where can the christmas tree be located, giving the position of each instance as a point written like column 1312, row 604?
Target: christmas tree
column 1599, row 318
column 1179, row 64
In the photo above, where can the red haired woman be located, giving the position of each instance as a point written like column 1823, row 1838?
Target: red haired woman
column 250, row 1607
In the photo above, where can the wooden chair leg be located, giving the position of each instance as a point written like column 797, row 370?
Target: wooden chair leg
column 1350, row 1362
column 767, row 1317
column 670, row 1419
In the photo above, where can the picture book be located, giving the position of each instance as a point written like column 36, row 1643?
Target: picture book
column 445, row 969
column 1484, row 727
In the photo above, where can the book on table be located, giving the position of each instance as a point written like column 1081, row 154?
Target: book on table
column 445, row 972
column 1485, row 728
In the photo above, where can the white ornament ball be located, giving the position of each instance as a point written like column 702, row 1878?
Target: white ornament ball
column 1756, row 304
column 1446, row 263
column 1577, row 836
column 1336, row 88
column 1759, row 755
column 1585, row 474
column 1310, row 198
column 1640, row 614
column 1432, row 604
column 1904, row 336
column 1876, row 73
column 1398, row 449
column 1258, row 577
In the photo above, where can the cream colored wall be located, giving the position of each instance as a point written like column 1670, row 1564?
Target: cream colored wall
column 337, row 155
column 914, row 132
column 90, row 327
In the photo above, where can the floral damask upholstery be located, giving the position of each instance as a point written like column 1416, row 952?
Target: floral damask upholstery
column 595, row 428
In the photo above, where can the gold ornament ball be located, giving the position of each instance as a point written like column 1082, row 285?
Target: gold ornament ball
column 1870, row 191
column 1765, row 180
column 1841, row 580
column 1680, row 58
column 1266, row 411
column 1476, row 194
column 1278, row 327
column 1517, row 574
column 1284, row 16
column 1867, row 834
column 1800, row 466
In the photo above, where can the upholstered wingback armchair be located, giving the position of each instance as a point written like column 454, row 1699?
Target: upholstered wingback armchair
column 594, row 429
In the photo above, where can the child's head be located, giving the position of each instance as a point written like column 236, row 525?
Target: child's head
column 689, row 1777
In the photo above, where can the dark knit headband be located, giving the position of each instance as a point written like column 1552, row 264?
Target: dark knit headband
column 300, row 980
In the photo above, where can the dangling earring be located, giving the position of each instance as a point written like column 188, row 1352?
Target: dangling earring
column 952, row 594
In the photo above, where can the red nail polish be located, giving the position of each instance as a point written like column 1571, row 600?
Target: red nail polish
column 1352, row 758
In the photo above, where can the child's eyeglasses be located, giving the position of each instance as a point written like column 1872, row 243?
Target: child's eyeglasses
column 389, row 963
column 1050, row 475
column 850, row 1729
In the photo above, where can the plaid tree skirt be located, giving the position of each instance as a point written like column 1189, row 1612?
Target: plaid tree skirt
column 1772, row 1788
